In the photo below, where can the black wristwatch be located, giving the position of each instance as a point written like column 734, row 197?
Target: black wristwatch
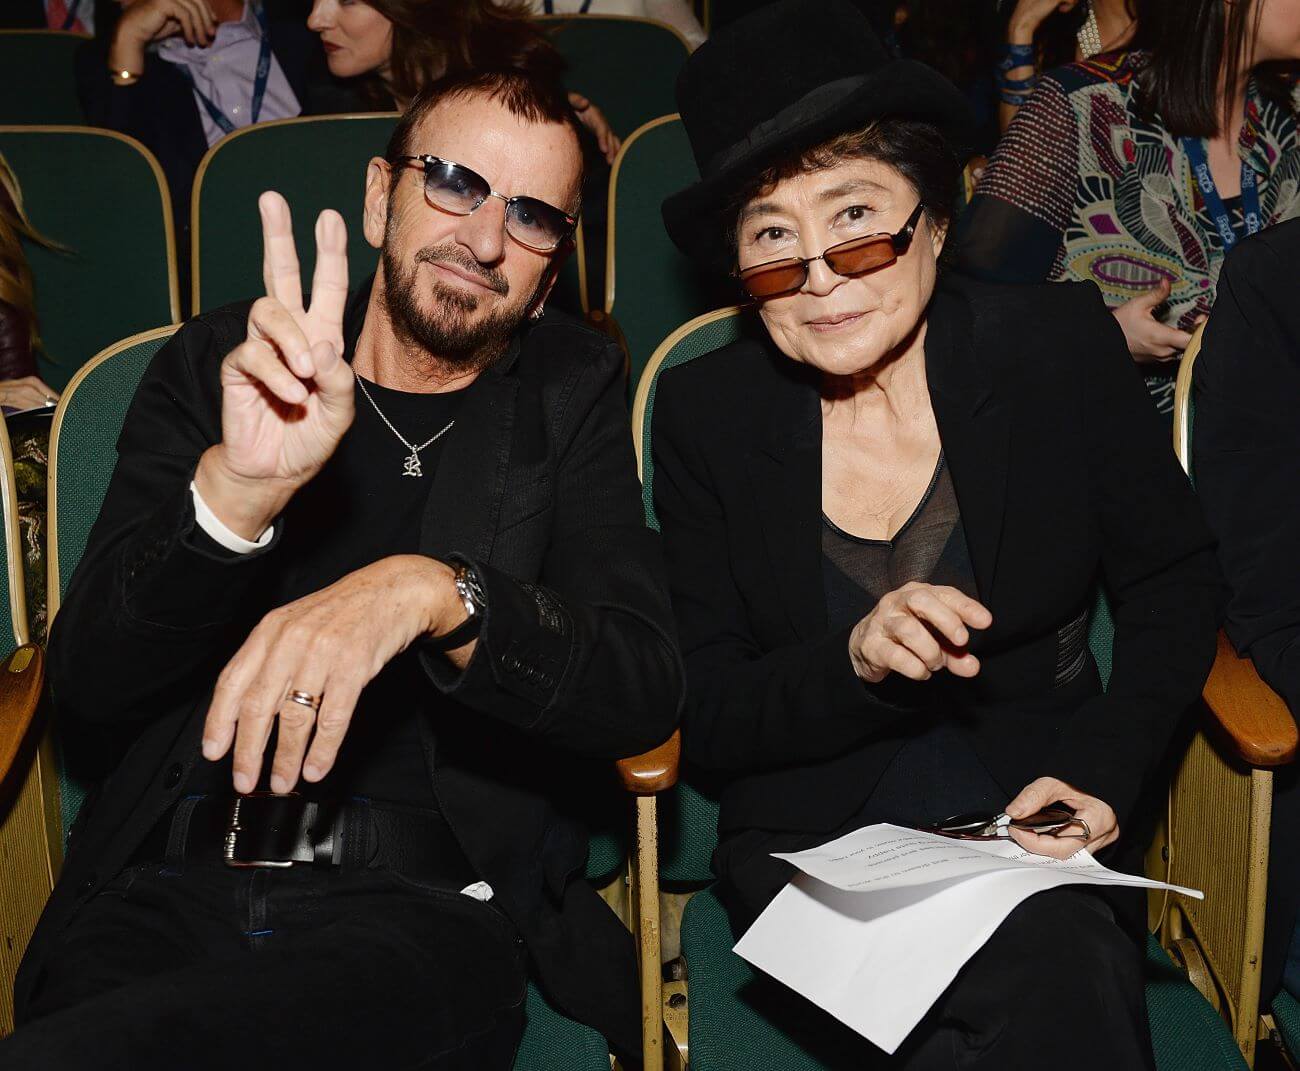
column 470, row 589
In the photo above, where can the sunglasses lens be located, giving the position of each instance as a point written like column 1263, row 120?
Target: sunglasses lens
column 772, row 280
column 1045, row 820
column 454, row 188
column 971, row 822
column 536, row 224
column 861, row 255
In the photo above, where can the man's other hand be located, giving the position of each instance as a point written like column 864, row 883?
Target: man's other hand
column 328, row 645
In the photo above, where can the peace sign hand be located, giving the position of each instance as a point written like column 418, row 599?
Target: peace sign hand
column 287, row 394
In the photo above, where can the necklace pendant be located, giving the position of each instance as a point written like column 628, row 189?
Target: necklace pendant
column 412, row 466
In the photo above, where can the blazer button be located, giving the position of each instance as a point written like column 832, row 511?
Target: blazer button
column 173, row 776
column 511, row 663
column 88, row 886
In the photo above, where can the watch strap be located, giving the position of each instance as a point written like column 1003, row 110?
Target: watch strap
column 457, row 637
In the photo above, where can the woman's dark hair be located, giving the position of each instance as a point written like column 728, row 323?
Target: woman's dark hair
column 916, row 150
column 1190, row 41
column 432, row 38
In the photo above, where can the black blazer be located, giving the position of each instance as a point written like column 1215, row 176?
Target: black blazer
column 1246, row 457
column 1065, row 478
column 537, row 487
column 1246, row 448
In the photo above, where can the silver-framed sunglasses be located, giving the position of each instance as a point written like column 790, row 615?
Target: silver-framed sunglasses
column 460, row 190
column 983, row 825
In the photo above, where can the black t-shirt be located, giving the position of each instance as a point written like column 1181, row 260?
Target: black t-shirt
column 360, row 508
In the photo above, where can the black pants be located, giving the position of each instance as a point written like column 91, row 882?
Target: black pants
column 1059, row 985
column 296, row 968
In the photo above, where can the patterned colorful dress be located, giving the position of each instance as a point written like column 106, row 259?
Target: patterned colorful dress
column 1083, row 187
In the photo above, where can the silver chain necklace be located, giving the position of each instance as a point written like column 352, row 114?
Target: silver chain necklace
column 1089, row 35
column 411, row 463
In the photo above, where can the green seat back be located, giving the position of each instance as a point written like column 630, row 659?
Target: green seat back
column 626, row 66
column 688, row 817
column 82, row 457
column 102, row 197
column 83, row 452
column 38, row 82
column 650, row 286
column 317, row 162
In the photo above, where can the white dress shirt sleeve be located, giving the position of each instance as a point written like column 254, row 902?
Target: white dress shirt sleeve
column 212, row 524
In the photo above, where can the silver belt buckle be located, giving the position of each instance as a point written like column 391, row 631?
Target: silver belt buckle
column 231, row 845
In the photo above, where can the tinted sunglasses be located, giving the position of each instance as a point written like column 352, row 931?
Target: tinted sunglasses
column 455, row 188
column 854, row 257
column 983, row 825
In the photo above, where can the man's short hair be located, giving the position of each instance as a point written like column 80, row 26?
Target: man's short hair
column 529, row 96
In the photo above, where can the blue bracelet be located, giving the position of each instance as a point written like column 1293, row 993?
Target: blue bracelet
column 1017, row 56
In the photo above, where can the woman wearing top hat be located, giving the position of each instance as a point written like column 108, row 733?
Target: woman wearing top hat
column 887, row 514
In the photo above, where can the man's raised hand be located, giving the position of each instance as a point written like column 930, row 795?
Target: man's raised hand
column 287, row 393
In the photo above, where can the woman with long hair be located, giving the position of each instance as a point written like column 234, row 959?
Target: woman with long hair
column 20, row 387
column 396, row 47
column 1139, row 170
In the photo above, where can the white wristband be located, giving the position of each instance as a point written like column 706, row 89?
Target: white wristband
column 213, row 525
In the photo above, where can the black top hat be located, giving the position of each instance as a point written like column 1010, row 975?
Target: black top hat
column 781, row 80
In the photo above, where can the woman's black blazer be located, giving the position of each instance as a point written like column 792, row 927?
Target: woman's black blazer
column 1065, row 478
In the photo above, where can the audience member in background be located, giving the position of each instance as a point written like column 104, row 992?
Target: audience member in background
column 1246, row 452
column 885, row 514
column 179, row 75
column 20, row 387
column 676, row 13
column 1139, row 170
column 1043, row 34
column 397, row 47
column 77, row 16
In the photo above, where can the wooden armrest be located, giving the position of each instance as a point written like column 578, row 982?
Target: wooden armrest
column 22, row 676
column 1251, row 719
column 605, row 323
column 654, row 771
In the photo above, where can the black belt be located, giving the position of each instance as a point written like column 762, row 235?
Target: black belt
column 266, row 830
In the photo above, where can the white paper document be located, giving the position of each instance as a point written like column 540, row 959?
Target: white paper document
column 882, row 919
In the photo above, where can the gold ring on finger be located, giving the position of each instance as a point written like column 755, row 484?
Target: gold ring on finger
column 305, row 699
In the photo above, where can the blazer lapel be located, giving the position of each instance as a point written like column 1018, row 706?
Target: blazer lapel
column 975, row 429
column 785, row 481
column 465, row 500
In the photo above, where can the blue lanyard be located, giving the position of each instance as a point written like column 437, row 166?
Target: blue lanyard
column 1250, row 210
column 259, row 80
column 71, row 16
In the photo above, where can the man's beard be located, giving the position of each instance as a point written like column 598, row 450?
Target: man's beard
column 445, row 332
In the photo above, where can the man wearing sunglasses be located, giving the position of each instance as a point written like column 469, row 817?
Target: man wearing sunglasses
column 369, row 608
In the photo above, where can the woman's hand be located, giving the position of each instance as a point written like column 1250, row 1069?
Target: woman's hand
column 1150, row 341
column 29, row 392
column 594, row 120
column 1029, row 15
column 917, row 631
column 1102, row 824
